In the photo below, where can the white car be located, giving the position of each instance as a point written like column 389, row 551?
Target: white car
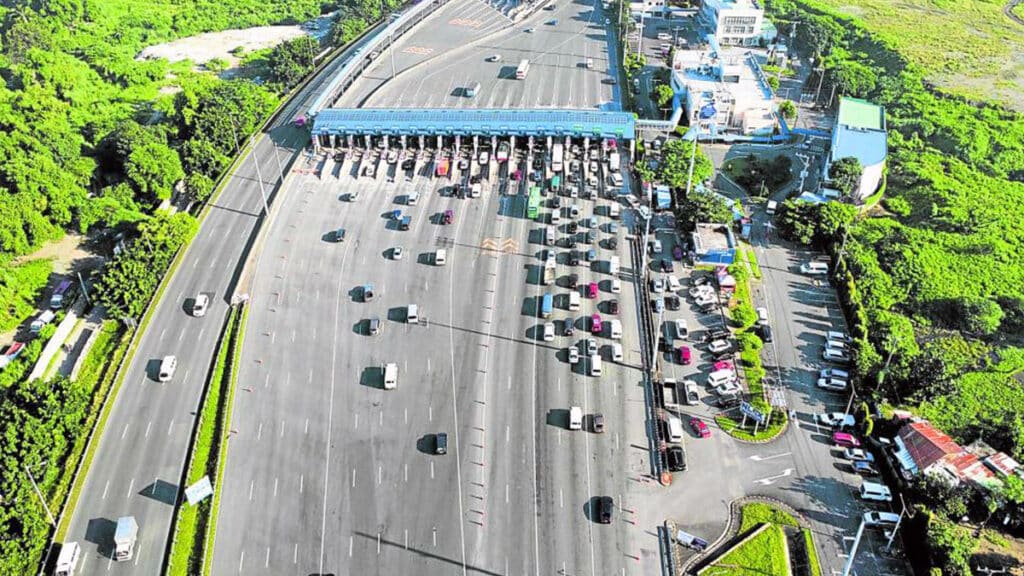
column 673, row 284
column 762, row 315
column 657, row 286
column 833, row 384
column 726, row 389
column 485, row 157
column 698, row 291
column 616, row 286
column 200, row 304
column 836, row 419
column 396, row 253
column 719, row 346
column 550, row 257
column 833, row 355
column 549, row 331
column 574, row 355
column 886, row 519
column 591, row 346
column 691, row 391
column 705, row 300
column 656, row 246
column 681, row 329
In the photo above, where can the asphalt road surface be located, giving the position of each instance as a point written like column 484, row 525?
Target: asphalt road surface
column 328, row 472
column 451, row 50
column 142, row 450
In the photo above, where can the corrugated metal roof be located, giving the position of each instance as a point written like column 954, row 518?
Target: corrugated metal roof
column 415, row 121
column 927, row 444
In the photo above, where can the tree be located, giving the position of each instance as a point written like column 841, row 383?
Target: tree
column 797, row 221
column 345, row 30
column 663, row 95
column 153, row 169
column 787, row 109
column 291, row 61
column 675, row 163
column 978, row 315
column 699, row 206
column 845, row 174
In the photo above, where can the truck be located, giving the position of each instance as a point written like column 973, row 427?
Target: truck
column 557, row 156
column 549, row 273
column 613, row 161
column 124, row 538
column 390, row 376
column 68, row 559
column 546, row 304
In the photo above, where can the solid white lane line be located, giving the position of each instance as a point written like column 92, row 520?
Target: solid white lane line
column 275, row 486
column 380, row 474
column 295, row 554
column 241, row 561
column 282, row 429
column 267, row 561
column 306, row 429
column 430, row 413
column 357, row 421
column 350, row 544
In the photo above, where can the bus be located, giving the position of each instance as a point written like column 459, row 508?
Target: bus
column 522, row 69
column 533, row 203
column 557, row 156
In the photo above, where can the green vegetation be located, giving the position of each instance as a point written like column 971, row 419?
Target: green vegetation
column 813, row 564
column 757, row 513
column 752, row 261
column 762, row 554
column 19, row 286
column 930, row 285
column 788, row 109
column 760, row 176
column 192, row 521
column 845, row 173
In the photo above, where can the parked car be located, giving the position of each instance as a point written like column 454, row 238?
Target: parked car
column 719, row 346
column 659, row 305
column 672, row 302
column 595, row 324
column 605, row 505
column 657, row 285
column 676, row 459
column 591, row 346
column 836, row 356
column 599, row 423
column 685, row 355
column 836, row 419
column 574, row 355
column 833, row 384
column 845, row 440
column 864, row 468
column 856, row 454
column 449, row 216
column 613, row 306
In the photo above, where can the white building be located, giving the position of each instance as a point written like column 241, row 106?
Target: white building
column 860, row 133
column 723, row 90
column 734, row 21
column 648, row 7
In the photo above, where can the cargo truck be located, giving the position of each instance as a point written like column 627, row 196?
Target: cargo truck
column 546, row 304
column 613, row 161
column 124, row 538
column 549, row 273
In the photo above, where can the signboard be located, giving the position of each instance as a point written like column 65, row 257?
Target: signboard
column 747, row 410
column 199, row 491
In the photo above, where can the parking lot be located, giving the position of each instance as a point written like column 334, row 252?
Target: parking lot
column 352, row 462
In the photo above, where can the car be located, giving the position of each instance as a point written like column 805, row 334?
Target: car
column 703, row 301
column 681, row 328
column 574, row 280
column 701, row 290
column 485, row 157
column 369, row 170
column 729, row 400
column 613, row 243
column 833, row 384
column 574, row 355
column 657, row 286
column 549, row 331
column 408, row 164
column 200, row 304
column 529, row 30
column 616, row 286
column 591, row 236
column 556, row 202
column 719, row 346
column 838, row 336
column 441, row 443
column 607, row 21
column 589, row 63
column 836, row 356
column 677, row 252
column 595, row 324
column 574, row 257
column 494, row 58
column 676, row 459
column 592, row 290
column 655, row 246
column 672, row 302
column 610, row 80
column 727, row 389
column 765, row 331
column 692, row 392
column 599, row 423
column 550, row 257
column 876, row 519
column 717, row 334
column 553, row 22
column 685, row 355
column 591, row 345
column 396, row 253
column 568, row 326
column 723, row 365
column 835, row 419
column 863, row 467
column 395, row 215
column 845, row 440
column 449, row 216
column 666, row 266
column 613, row 306
column 605, row 506
column 367, row 292
column 855, row 454
column 762, row 315
column 572, row 228
column 591, row 255
column 700, row 428
column 659, row 305
column 834, row 373
column 673, row 284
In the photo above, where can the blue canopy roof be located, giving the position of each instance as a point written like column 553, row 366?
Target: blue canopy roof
column 485, row 122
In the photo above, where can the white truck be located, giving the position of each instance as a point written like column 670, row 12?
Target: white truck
column 125, row 534
column 549, row 273
column 390, row 376
column 67, row 561
column 613, row 161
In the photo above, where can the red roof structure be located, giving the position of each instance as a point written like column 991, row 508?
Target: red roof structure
column 927, row 444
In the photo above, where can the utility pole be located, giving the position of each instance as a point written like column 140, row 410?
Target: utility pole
column 853, row 552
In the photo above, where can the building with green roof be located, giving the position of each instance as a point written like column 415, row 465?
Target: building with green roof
column 860, row 132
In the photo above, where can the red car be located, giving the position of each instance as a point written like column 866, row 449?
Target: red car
column 723, row 365
column 595, row 324
column 449, row 216
column 592, row 290
column 684, row 355
column 700, row 428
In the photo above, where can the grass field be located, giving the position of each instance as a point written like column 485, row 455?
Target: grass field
column 966, row 47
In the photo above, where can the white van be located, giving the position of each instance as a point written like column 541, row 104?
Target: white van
column 167, row 367
column 613, row 265
column 617, row 352
column 814, row 268
column 440, row 257
column 614, row 210
column 68, row 559
column 549, row 236
column 556, row 217
column 595, row 365
column 574, row 300
column 875, row 491
column 616, row 326
column 390, row 376
column 412, row 314
column 720, row 377
column 772, row 206
column 575, row 418
column 412, row 199
column 675, row 429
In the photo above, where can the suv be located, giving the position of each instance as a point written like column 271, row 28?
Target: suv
column 605, row 505
column 574, row 258
column 676, row 459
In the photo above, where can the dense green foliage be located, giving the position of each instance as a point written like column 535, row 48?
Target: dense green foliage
column 755, row 513
column 674, row 169
column 845, row 174
column 931, row 284
column 18, row 288
column 762, row 554
column 760, row 176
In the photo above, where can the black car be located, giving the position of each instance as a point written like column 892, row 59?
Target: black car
column 573, row 227
column 569, row 328
column 672, row 302
column 729, row 400
column 556, row 202
column 666, row 265
column 613, row 306
column 474, row 179
column 574, row 281
column 676, row 459
column 574, row 258
column 613, row 243
column 605, row 506
column 709, row 308
column 717, row 334
column 441, row 443
column 408, row 164
column 538, row 163
column 766, row 332
column 700, row 280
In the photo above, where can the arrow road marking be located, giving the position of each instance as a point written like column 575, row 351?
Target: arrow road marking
column 758, row 458
column 772, row 479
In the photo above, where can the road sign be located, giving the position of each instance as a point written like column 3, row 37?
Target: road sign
column 199, row 491
column 747, row 410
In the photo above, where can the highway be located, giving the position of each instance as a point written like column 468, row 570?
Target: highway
column 329, row 473
column 142, row 450
column 452, row 49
